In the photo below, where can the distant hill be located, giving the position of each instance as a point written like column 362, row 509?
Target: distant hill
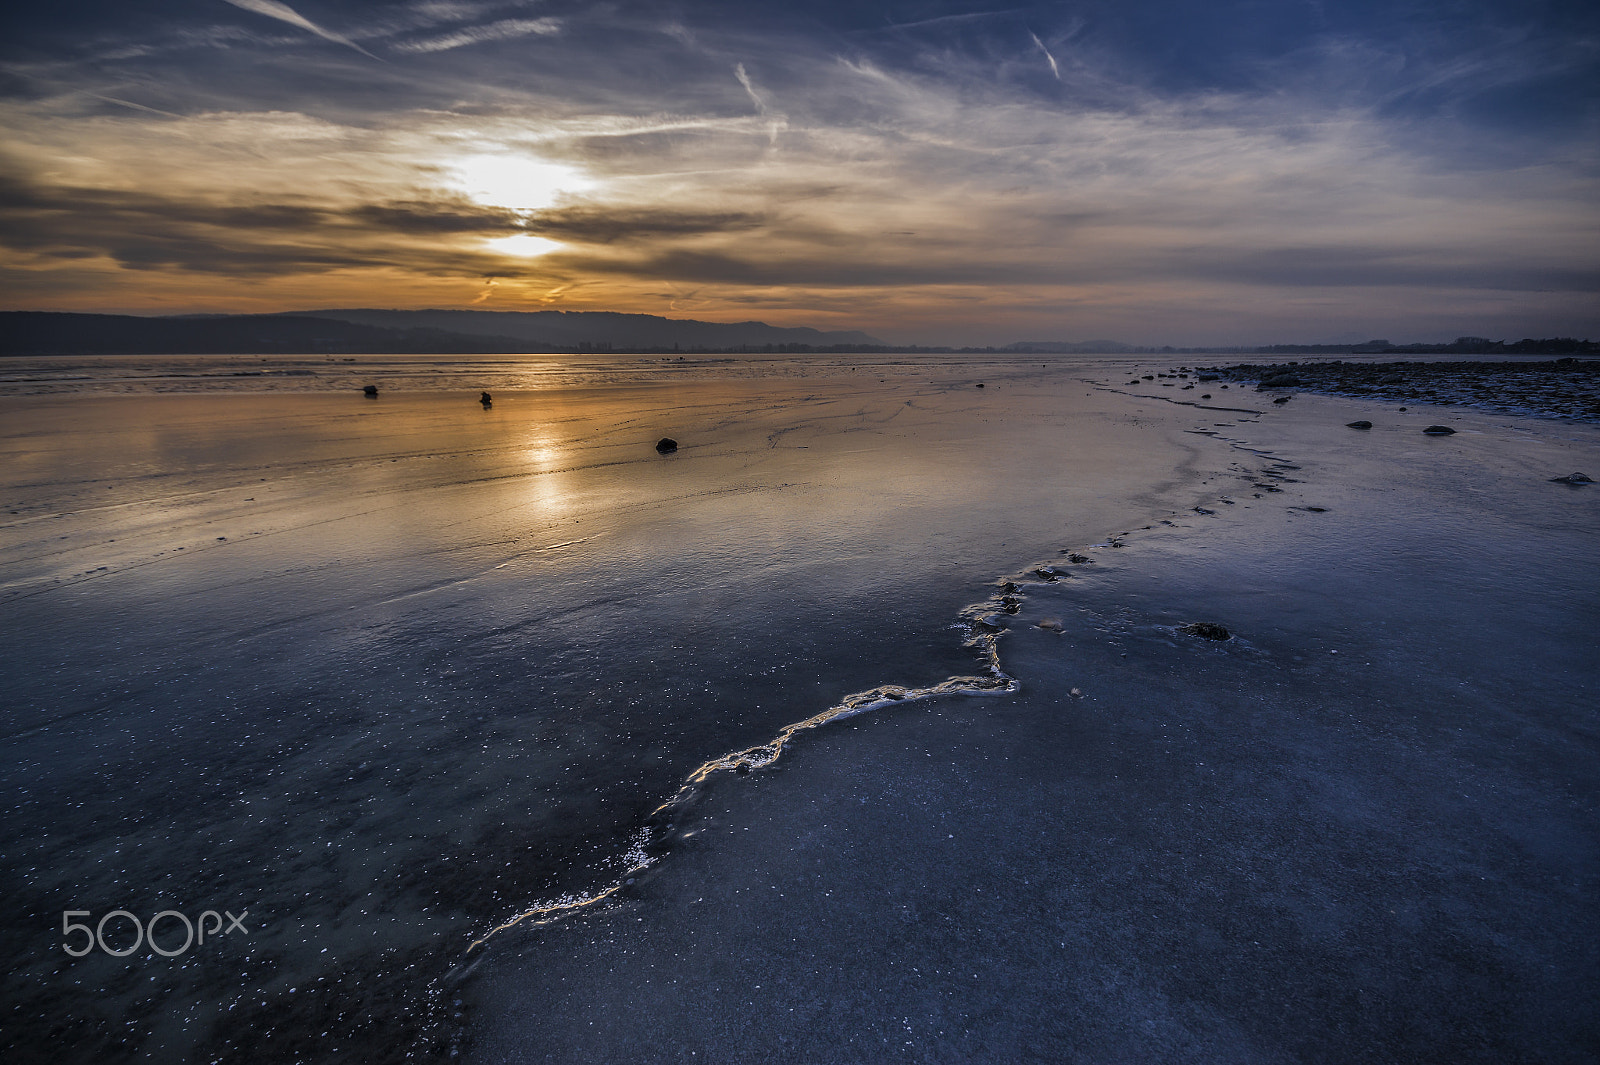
column 567, row 330
column 376, row 332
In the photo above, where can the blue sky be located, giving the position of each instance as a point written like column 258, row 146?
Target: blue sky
column 937, row 173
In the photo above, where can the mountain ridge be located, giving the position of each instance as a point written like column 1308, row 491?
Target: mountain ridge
column 372, row 331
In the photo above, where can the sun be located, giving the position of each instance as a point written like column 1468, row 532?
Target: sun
column 515, row 181
column 521, row 244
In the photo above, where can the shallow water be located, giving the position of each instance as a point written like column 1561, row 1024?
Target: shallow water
column 387, row 672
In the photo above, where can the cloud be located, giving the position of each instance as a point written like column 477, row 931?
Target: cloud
column 744, row 79
column 927, row 176
column 284, row 13
column 626, row 225
column 437, row 217
column 776, row 123
column 494, row 31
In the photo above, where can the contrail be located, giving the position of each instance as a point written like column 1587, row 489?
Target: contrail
column 1053, row 68
column 284, row 13
column 952, row 18
column 130, row 103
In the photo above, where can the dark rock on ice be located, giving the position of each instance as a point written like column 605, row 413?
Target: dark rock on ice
column 486, row 399
column 1206, row 630
column 1283, row 399
column 666, row 445
column 979, row 384
column 371, row 391
column 1439, row 430
column 1573, row 478
column 1363, row 424
column 1205, row 395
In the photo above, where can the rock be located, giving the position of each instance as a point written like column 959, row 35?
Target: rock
column 1402, row 410
column 979, row 384
column 1078, row 560
column 1205, row 395
column 991, row 623
column 1205, row 377
column 1439, row 430
column 486, row 399
column 1573, row 478
column 1363, row 424
column 1052, row 624
column 1206, row 630
column 371, row 391
column 1050, row 573
column 666, row 445
column 1283, row 399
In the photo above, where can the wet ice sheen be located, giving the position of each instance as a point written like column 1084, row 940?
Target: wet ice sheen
column 389, row 672
column 1244, row 850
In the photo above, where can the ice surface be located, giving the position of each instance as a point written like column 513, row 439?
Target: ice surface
column 387, row 672
column 1361, row 829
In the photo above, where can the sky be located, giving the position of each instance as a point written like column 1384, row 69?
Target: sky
column 1147, row 171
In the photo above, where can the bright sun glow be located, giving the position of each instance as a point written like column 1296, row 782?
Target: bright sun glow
column 521, row 244
column 515, row 181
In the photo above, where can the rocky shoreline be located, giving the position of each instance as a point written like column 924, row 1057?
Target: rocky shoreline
column 1560, row 388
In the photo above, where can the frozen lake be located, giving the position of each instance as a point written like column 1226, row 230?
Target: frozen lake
column 389, row 672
